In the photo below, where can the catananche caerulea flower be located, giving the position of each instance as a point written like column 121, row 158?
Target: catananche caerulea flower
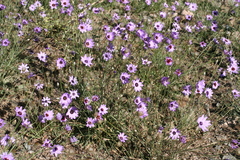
column 56, row 150
column 122, row 137
column 203, row 123
column 86, row 60
column 174, row 133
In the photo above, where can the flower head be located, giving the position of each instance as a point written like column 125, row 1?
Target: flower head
column 203, row 123
column 56, row 150
column 2, row 123
column 87, row 60
column 173, row 105
column 137, row 85
column 122, row 137
column 65, row 100
column 164, row 81
column 103, row 109
column 174, row 133
column 89, row 43
column 72, row 113
column 73, row 80
column 42, row 56
column 90, row 122
column 46, row 101
column 23, row 68
column 61, row 63
column 20, row 112
column 7, row 156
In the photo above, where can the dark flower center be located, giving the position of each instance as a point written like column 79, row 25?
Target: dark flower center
column 64, row 98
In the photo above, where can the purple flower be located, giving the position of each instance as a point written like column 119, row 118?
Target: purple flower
column 169, row 61
column 146, row 62
column 90, row 122
column 233, row 68
column 158, row 37
column 131, row 26
column 137, row 85
column 73, row 80
column 39, row 86
column 61, row 117
column 132, row 68
column 234, row 144
column 103, row 109
column 174, row 133
column 95, row 98
column 2, row 7
column 164, row 81
column 125, row 77
column 187, row 90
column 87, row 60
column 87, row 101
column 193, row 6
column 160, row 129
column 37, row 29
column 183, row 139
column 163, row 14
column 170, row 48
column 173, row 105
column 7, row 156
column 47, row 143
column 203, row 44
column 48, row 115
column 68, row 127
column 158, row 26
column 215, row 13
column 188, row 17
column 89, row 43
column 61, row 63
column 178, row 72
column 56, row 150
column 53, row 4
column 2, row 123
column 208, row 92
column 73, row 139
column 236, row 93
column 65, row 100
column 5, row 42
column 142, row 112
column 110, row 36
column 26, row 123
column 46, row 101
column 203, row 123
column 42, row 56
column 65, row 3
column 142, row 34
column 122, row 137
column 83, row 27
column 74, row 94
column 107, row 56
column 20, row 112
column 23, row 68
column 72, row 113
column 215, row 84
column 4, row 140
column 209, row 17
column 226, row 41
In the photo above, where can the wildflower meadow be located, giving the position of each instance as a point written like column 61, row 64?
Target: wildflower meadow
column 119, row 79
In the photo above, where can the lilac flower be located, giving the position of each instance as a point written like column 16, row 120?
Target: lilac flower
column 87, row 60
column 95, row 98
column 200, row 87
column 46, row 101
column 5, row 42
column 170, row 48
column 158, row 26
column 89, row 107
column 90, row 122
column 175, row 35
column 4, row 140
column 178, row 72
column 209, row 17
column 233, row 68
column 127, row 8
column 203, row 44
column 236, row 93
column 7, row 156
column 37, row 29
column 208, row 92
column 226, row 41
column 89, row 43
column 74, row 94
column 142, row 34
column 137, row 85
column 20, row 112
column 163, row 14
column 234, row 144
column 65, row 3
column 48, row 115
column 47, row 143
column 165, row 5
column 56, row 150
column 169, row 61
column 173, row 105
column 42, row 56
column 73, row 80
column 188, row 17
column 164, row 81
column 110, row 36
column 72, row 113
column 2, row 123
column 138, row 100
column 152, row 44
column 146, row 62
column 131, row 26
column 26, row 123
column 132, row 68
column 122, row 137
column 160, row 129
column 107, row 56
column 68, row 127
column 87, row 101
column 203, row 123
column 73, row 139
column 2, row 7
column 61, row 117
column 65, row 100
column 215, row 13
column 83, row 27
column 32, row 7
column 61, row 63
column 39, row 86
column 215, row 84
column 175, row 133
column 103, row 109
column 23, row 68
column 193, row 6
column 143, row 112
column 158, row 37
column 53, row 4
column 183, row 139
column 187, row 90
